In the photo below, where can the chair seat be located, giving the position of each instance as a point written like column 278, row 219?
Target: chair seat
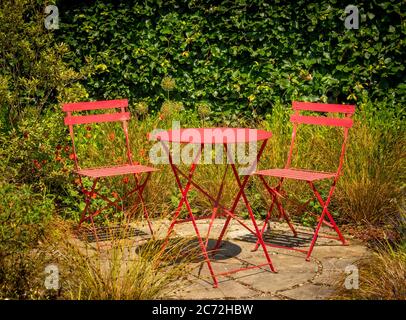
column 114, row 171
column 297, row 174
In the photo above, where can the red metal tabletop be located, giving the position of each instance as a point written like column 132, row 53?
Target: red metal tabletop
column 213, row 135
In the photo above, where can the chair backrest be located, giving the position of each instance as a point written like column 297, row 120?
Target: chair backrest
column 117, row 115
column 345, row 122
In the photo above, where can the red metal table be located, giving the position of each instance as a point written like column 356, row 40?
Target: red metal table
column 225, row 137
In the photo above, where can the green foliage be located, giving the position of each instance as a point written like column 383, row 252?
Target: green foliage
column 242, row 56
column 24, row 216
column 23, row 212
column 32, row 72
column 33, row 151
column 34, row 79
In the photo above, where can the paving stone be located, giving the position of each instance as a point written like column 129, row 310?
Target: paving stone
column 353, row 250
column 272, row 282
column 265, row 297
column 309, row 292
column 338, row 264
column 328, row 277
column 227, row 289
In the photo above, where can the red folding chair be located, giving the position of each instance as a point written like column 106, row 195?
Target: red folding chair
column 95, row 174
column 308, row 175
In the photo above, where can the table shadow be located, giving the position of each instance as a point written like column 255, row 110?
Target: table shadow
column 180, row 249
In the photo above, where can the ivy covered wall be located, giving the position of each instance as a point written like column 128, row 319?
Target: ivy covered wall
column 238, row 56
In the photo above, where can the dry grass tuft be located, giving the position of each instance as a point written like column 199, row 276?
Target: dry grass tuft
column 121, row 269
column 381, row 278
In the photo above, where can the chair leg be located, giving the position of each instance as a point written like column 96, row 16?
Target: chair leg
column 139, row 189
column 267, row 217
column 144, row 207
column 285, row 216
column 146, row 215
column 88, row 199
column 89, row 214
column 324, row 212
column 95, row 233
column 315, row 235
column 251, row 214
column 330, row 217
column 274, row 192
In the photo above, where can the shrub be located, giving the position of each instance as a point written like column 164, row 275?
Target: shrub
column 33, row 74
column 37, row 152
column 33, row 80
column 381, row 278
column 242, row 56
column 124, row 268
column 24, row 217
column 371, row 189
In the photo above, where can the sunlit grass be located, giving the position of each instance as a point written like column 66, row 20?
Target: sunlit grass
column 123, row 268
column 382, row 277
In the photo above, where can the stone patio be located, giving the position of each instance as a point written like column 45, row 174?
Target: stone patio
column 296, row 278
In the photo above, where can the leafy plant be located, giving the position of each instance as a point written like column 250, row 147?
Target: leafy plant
column 244, row 57
column 24, row 217
column 33, row 74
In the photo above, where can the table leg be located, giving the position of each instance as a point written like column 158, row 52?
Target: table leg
column 251, row 214
column 216, row 205
column 183, row 191
column 238, row 196
column 185, row 201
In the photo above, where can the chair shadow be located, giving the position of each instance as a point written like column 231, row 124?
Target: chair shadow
column 109, row 233
column 280, row 238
